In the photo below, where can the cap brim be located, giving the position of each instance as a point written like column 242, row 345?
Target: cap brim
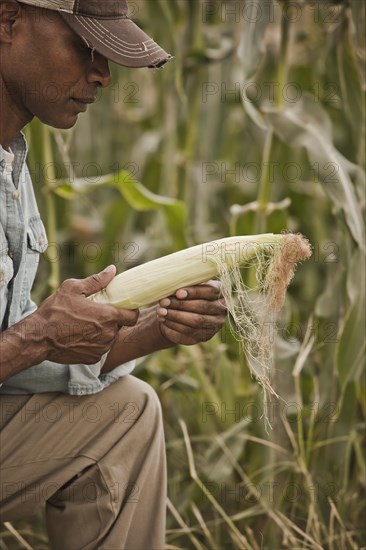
column 119, row 40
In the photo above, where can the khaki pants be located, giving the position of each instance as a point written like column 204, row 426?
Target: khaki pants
column 97, row 462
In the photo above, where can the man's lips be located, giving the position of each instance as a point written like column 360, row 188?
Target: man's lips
column 83, row 102
column 84, row 99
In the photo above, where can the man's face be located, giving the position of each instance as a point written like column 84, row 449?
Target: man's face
column 49, row 70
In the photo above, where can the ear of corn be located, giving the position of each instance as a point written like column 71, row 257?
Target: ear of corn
column 251, row 318
column 152, row 281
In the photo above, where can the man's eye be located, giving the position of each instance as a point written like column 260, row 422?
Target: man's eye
column 82, row 47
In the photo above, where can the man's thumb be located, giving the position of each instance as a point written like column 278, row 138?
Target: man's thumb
column 97, row 282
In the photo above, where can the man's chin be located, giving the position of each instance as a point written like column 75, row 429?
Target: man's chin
column 64, row 123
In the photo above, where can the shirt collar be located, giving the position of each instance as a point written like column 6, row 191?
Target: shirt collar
column 18, row 146
column 20, row 150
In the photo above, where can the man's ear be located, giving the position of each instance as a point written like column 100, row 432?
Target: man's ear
column 10, row 12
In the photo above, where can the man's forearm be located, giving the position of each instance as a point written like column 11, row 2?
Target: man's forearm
column 21, row 347
column 134, row 342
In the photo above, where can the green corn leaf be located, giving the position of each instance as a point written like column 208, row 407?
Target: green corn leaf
column 350, row 355
column 306, row 124
column 137, row 196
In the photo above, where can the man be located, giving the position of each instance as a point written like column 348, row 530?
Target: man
column 78, row 432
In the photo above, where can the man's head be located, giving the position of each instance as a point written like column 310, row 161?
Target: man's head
column 54, row 54
column 106, row 27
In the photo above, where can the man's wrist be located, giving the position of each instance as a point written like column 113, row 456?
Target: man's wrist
column 36, row 336
column 144, row 338
column 22, row 345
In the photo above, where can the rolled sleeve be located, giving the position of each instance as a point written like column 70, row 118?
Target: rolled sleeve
column 70, row 379
column 88, row 379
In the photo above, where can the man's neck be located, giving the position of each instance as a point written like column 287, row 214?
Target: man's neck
column 12, row 119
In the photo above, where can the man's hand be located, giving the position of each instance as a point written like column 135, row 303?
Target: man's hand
column 66, row 328
column 195, row 314
column 76, row 330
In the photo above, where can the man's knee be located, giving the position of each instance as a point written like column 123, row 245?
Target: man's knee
column 134, row 400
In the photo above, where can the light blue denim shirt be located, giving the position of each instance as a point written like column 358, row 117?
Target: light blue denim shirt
column 22, row 239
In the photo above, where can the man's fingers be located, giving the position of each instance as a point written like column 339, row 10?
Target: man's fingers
column 178, row 327
column 176, row 333
column 205, row 307
column 189, row 319
column 194, row 314
column 208, row 291
column 97, row 282
column 186, row 335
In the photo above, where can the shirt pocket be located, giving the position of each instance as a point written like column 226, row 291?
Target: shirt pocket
column 36, row 244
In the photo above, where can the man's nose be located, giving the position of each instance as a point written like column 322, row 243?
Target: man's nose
column 99, row 72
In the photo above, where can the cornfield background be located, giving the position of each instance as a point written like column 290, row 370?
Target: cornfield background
column 258, row 125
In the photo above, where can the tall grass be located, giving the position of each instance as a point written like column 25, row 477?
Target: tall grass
column 258, row 125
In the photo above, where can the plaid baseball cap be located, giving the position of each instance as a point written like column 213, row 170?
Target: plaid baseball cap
column 105, row 26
